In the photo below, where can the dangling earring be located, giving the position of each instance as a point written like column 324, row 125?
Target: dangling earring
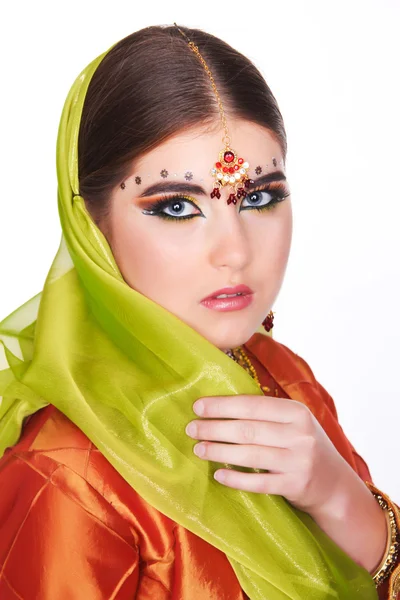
column 268, row 322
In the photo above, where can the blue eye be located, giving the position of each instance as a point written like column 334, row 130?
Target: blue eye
column 178, row 208
column 175, row 205
column 258, row 199
column 265, row 199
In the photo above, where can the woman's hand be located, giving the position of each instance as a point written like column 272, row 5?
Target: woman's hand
column 283, row 436
column 276, row 434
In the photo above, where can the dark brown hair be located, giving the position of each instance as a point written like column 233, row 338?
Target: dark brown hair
column 150, row 86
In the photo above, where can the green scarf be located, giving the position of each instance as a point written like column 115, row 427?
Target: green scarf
column 127, row 372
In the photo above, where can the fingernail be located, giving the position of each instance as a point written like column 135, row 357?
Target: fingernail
column 199, row 450
column 198, row 407
column 191, row 429
column 219, row 476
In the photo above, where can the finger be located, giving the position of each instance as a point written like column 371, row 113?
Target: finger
column 257, row 408
column 279, row 435
column 277, row 460
column 260, row 483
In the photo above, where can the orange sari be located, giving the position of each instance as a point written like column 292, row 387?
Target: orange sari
column 71, row 527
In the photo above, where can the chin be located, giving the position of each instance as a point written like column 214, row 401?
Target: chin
column 226, row 335
column 227, row 342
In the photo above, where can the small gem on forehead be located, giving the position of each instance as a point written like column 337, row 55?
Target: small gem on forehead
column 219, row 171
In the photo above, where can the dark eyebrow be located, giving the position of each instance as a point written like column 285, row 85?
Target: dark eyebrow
column 190, row 188
column 264, row 179
column 173, row 186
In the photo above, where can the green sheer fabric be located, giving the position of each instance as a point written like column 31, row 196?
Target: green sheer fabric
column 127, row 372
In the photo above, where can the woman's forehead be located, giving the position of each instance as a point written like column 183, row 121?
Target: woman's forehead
column 197, row 149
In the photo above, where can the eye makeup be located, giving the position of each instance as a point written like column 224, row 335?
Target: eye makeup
column 155, row 209
column 277, row 191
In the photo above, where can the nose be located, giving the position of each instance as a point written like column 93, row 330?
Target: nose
column 230, row 240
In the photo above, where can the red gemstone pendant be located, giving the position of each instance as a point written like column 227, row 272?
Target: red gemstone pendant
column 230, row 170
column 215, row 193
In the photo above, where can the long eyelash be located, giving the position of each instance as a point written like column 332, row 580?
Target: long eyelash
column 157, row 207
column 278, row 191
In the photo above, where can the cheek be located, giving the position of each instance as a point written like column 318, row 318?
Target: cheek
column 273, row 242
column 284, row 234
column 150, row 261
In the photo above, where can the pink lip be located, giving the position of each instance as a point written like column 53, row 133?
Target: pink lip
column 228, row 304
column 243, row 289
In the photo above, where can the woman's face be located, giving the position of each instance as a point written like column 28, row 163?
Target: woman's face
column 177, row 263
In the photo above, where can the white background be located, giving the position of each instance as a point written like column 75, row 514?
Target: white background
column 334, row 70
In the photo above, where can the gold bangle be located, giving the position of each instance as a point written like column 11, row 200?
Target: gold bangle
column 391, row 553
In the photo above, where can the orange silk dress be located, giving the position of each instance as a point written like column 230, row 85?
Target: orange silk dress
column 72, row 528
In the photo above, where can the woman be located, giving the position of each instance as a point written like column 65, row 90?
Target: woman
column 106, row 490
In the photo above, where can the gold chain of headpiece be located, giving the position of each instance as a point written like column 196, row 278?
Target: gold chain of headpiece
column 229, row 169
column 226, row 139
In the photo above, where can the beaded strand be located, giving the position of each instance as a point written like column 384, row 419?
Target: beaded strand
column 239, row 356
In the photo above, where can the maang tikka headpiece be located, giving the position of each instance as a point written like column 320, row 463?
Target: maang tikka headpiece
column 229, row 169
